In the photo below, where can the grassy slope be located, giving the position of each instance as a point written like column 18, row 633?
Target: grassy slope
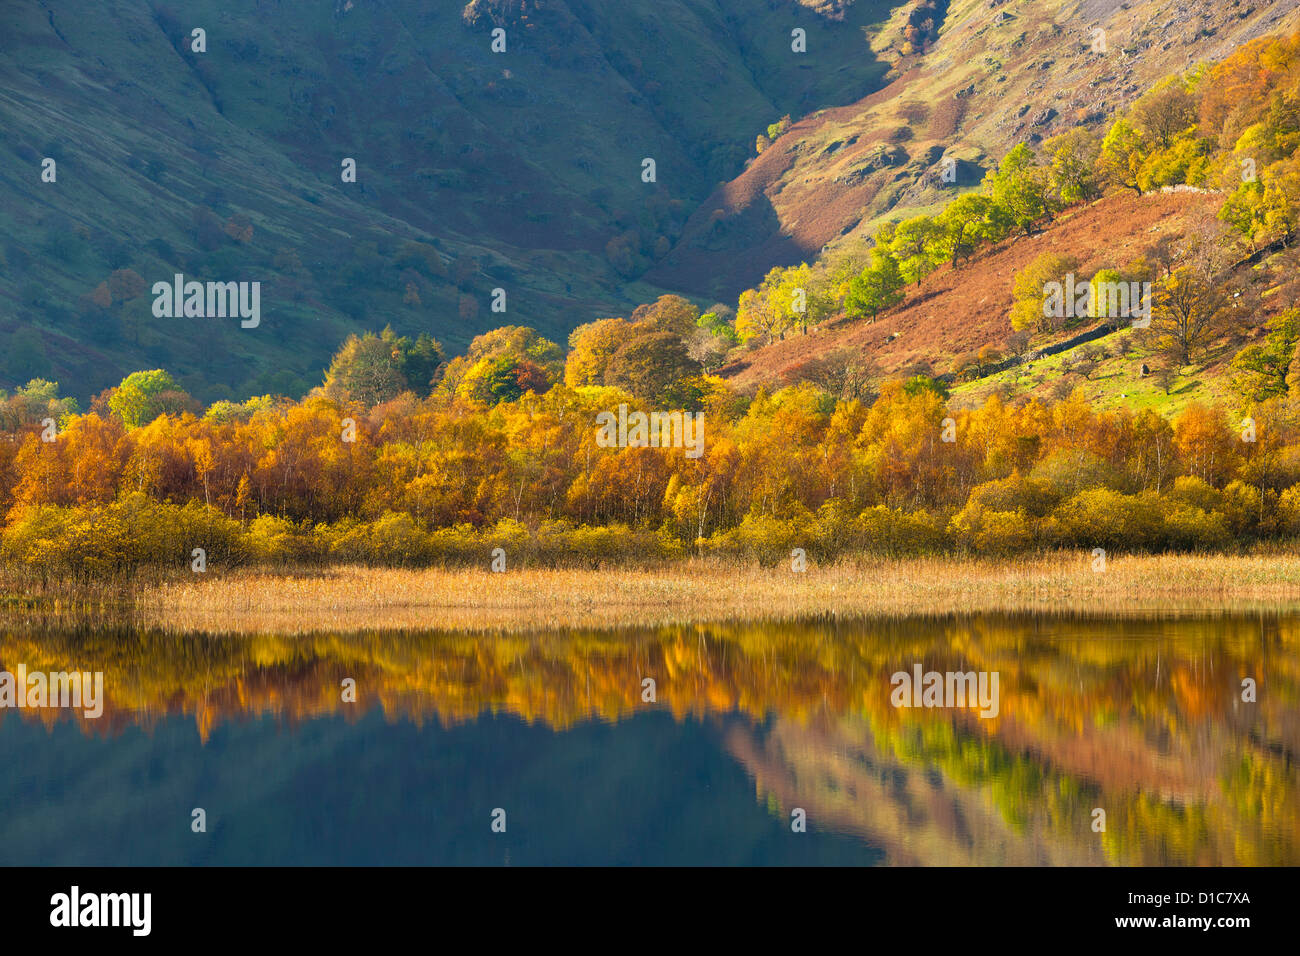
column 1116, row 382
column 526, row 164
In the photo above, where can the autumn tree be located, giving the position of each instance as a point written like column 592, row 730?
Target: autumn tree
column 1187, row 314
column 1029, row 292
column 845, row 373
column 758, row 315
column 1018, row 342
column 649, row 365
column 707, row 348
column 1205, row 443
column 471, row 375
column 33, row 403
column 507, row 378
column 590, row 348
column 126, row 284
column 668, row 313
column 1164, row 112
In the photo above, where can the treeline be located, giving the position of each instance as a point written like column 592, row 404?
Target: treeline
column 448, row 479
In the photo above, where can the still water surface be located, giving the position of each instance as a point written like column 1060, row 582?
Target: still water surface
column 1140, row 717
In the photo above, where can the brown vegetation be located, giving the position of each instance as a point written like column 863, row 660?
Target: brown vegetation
column 964, row 309
column 478, row 600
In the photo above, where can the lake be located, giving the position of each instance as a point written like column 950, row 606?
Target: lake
column 756, row 743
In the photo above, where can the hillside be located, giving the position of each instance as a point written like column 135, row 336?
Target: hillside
column 998, row 73
column 476, row 170
column 959, row 310
column 956, row 312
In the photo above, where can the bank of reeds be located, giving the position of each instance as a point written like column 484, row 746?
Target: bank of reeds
column 354, row 598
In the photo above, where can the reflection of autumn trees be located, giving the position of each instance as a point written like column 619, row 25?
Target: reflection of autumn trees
column 1140, row 717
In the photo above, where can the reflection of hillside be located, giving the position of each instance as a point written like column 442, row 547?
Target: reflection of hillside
column 1142, row 718
column 929, row 796
column 847, row 784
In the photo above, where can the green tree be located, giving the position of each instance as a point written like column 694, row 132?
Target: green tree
column 1244, row 209
column 373, row 369
column 966, row 222
column 1072, row 169
column 507, row 378
column 1260, row 370
column 34, row 402
column 877, row 287
column 1098, row 301
column 518, row 342
column 143, row 396
column 912, row 244
column 796, row 294
column 25, row 356
column 1123, row 153
column 1021, row 187
column 720, row 320
column 1029, row 292
column 423, row 358
column 762, row 311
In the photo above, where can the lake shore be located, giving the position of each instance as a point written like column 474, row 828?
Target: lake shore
column 359, row 598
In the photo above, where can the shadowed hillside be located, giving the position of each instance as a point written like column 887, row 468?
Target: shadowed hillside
column 475, row 170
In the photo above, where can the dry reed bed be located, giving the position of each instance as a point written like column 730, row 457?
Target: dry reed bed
column 355, row 598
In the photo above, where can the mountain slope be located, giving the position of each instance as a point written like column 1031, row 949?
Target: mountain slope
column 960, row 310
column 519, row 170
column 997, row 74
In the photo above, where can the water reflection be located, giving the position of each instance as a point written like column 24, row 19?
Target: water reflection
column 1140, row 717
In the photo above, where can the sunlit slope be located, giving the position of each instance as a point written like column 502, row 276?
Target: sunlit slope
column 997, row 74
